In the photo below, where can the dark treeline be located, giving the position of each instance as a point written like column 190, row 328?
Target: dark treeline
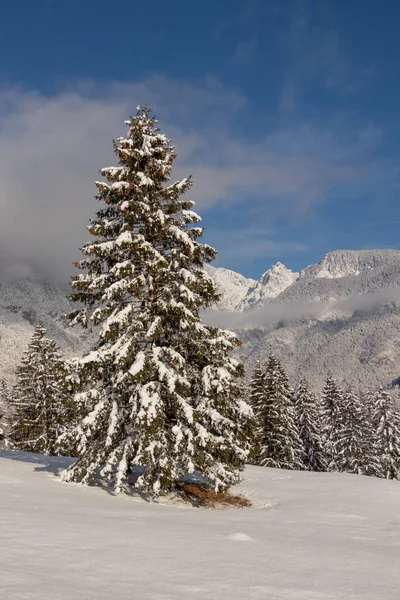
column 159, row 389
column 337, row 430
column 40, row 407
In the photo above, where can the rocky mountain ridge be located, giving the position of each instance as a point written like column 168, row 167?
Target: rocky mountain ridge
column 23, row 304
column 340, row 315
column 232, row 286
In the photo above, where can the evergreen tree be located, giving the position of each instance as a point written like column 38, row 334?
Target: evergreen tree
column 257, row 390
column 331, row 402
column 38, row 397
column 5, row 414
column 257, row 400
column 162, row 391
column 307, row 414
column 371, row 460
column 386, row 419
column 352, row 442
column 70, row 409
column 281, row 445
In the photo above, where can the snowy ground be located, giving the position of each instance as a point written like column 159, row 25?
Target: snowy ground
column 319, row 536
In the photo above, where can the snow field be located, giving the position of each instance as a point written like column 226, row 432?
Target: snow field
column 319, row 536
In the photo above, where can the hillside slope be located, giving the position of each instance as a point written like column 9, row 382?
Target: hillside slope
column 270, row 285
column 319, row 536
column 231, row 285
column 23, row 304
column 341, row 315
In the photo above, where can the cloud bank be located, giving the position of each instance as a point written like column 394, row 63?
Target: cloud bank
column 292, row 311
column 52, row 147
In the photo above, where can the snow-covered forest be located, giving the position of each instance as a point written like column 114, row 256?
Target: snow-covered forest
column 199, row 300
column 337, row 430
column 159, row 389
column 159, row 393
column 159, row 409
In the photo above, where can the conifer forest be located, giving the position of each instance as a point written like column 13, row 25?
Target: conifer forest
column 160, row 396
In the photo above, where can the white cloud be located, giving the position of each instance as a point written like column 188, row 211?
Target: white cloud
column 51, row 149
column 291, row 311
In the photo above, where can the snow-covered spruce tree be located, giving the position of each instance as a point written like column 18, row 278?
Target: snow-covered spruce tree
column 307, row 416
column 367, row 401
column 5, row 414
column 38, row 397
column 371, row 463
column 257, row 401
column 257, row 389
column 331, row 402
column 280, row 443
column 162, row 391
column 70, row 412
column 352, row 444
column 386, row 419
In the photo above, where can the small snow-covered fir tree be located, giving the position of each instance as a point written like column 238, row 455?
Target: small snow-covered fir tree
column 162, row 391
column 331, row 402
column 370, row 460
column 352, row 444
column 257, row 401
column 307, row 415
column 280, row 443
column 38, row 397
column 386, row 419
column 70, row 411
column 257, row 389
column 5, row 414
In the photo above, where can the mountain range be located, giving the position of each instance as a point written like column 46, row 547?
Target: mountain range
column 23, row 304
column 341, row 315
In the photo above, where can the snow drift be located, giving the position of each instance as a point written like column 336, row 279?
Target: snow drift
column 318, row 536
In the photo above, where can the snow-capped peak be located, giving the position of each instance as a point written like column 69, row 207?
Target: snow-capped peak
column 348, row 263
column 269, row 286
column 232, row 286
column 338, row 264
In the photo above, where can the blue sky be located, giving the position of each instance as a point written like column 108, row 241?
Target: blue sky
column 285, row 112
